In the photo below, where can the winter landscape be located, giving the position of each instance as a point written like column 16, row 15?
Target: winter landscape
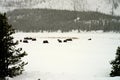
column 65, row 39
column 80, row 59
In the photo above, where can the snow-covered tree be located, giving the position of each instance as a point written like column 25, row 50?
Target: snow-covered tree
column 116, row 64
column 10, row 57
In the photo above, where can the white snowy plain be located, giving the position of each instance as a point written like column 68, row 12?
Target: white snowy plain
column 80, row 59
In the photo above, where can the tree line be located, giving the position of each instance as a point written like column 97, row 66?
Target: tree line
column 53, row 20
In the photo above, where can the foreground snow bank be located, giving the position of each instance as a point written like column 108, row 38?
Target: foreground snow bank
column 80, row 59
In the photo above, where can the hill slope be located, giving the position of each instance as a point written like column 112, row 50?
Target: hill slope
column 53, row 20
column 104, row 6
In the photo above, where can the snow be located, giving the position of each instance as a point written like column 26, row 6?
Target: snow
column 80, row 59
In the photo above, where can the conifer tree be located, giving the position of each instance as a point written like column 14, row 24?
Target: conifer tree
column 116, row 64
column 11, row 63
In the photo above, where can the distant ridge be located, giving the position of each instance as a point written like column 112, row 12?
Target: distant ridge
column 64, row 20
column 104, row 6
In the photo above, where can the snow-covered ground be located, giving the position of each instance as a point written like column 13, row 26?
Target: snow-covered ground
column 80, row 59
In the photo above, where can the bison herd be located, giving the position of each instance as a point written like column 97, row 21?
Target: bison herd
column 59, row 40
column 27, row 39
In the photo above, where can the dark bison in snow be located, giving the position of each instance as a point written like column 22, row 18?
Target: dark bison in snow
column 33, row 39
column 66, row 40
column 69, row 39
column 90, row 39
column 60, row 41
column 25, row 41
column 45, row 41
column 20, row 40
column 28, row 38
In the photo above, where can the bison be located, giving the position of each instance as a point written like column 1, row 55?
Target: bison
column 45, row 41
column 33, row 39
column 89, row 39
column 25, row 41
column 66, row 40
column 69, row 39
column 60, row 41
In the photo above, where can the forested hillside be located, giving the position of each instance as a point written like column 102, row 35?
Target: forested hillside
column 104, row 6
column 53, row 20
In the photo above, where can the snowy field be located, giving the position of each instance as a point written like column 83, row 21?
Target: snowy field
column 80, row 59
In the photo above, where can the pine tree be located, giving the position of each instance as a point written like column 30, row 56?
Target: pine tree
column 11, row 63
column 116, row 64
